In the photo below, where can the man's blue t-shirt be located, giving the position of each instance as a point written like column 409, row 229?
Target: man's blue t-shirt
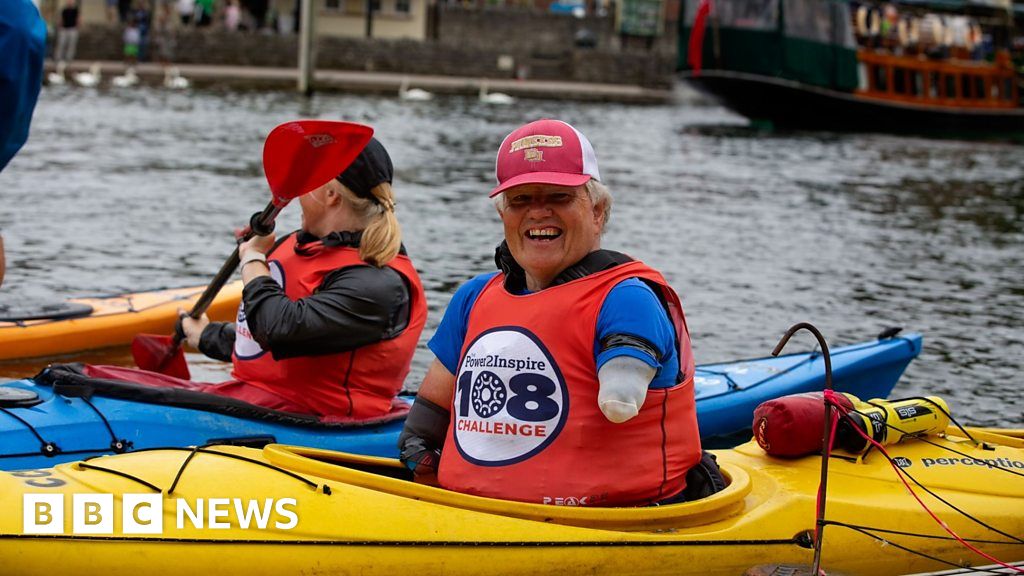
column 631, row 308
column 23, row 45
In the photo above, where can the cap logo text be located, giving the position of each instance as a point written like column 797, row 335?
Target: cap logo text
column 318, row 140
column 536, row 142
column 533, row 155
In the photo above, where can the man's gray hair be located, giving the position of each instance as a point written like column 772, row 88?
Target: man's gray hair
column 600, row 194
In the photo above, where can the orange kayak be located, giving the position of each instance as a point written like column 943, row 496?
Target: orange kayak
column 93, row 323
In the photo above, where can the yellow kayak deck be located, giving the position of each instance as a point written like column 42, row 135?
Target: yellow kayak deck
column 355, row 515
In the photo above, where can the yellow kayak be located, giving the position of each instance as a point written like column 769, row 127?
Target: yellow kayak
column 113, row 321
column 288, row 510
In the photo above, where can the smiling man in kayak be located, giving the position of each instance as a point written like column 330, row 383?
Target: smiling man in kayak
column 567, row 377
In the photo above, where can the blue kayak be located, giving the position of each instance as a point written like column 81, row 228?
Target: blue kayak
column 51, row 419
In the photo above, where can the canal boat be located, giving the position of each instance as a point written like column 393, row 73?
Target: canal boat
column 903, row 67
column 289, row 510
column 67, row 412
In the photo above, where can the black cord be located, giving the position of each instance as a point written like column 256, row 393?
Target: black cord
column 87, row 466
column 114, row 437
column 181, row 469
column 202, row 450
column 916, row 535
column 929, row 491
column 922, row 554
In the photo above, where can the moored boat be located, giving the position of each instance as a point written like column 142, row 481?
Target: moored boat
column 852, row 66
column 91, row 323
column 299, row 510
column 64, row 414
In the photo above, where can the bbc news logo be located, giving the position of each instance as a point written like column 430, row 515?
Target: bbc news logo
column 144, row 513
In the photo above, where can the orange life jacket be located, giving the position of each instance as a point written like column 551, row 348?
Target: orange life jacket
column 526, row 425
column 356, row 384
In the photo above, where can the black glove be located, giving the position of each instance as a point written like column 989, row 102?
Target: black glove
column 422, row 438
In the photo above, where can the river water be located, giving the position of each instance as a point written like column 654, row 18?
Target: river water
column 138, row 189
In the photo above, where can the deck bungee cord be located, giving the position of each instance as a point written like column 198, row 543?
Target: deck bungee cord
column 50, row 448
column 886, row 542
column 839, row 410
column 84, row 465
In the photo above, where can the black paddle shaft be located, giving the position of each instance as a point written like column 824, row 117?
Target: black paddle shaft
column 261, row 224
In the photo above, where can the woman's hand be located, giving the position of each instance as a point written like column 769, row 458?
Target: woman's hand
column 261, row 244
column 192, row 328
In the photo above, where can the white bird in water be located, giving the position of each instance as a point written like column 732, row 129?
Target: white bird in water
column 89, row 79
column 174, row 80
column 57, row 78
column 414, row 94
column 494, row 97
column 127, row 80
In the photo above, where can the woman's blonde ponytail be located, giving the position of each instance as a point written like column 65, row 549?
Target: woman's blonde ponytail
column 382, row 237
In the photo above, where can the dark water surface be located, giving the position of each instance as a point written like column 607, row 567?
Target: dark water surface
column 139, row 189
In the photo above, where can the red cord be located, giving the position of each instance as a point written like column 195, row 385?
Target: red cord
column 830, row 397
column 828, row 452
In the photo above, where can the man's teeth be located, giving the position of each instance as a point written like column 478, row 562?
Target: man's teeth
column 544, row 233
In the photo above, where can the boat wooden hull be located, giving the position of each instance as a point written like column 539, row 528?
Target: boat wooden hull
column 794, row 105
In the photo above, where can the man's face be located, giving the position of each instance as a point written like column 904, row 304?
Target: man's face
column 549, row 228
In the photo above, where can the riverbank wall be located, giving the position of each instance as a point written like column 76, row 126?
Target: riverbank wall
column 494, row 44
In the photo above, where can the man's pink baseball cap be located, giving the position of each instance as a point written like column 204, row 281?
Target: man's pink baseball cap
column 545, row 152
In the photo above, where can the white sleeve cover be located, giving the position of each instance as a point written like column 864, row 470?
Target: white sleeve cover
column 623, row 387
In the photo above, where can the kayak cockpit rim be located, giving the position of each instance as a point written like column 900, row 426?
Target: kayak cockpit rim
column 351, row 469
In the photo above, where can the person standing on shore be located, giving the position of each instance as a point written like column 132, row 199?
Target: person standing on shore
column 232, row 15
column 23, row 44
column 131, row 43
column 186, row 10
column 67, row 34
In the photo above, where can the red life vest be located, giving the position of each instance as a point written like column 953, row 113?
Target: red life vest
column 525, row 421
column 356, row 384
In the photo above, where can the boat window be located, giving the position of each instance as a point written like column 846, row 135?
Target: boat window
column 950, row 86
column 747, row 14
column 916, row 83
column 827, row 22
column 965, row 86
column 899, row 80
column 933, row 85
column 979, row 88
column 881, row 74
column 1007, row 89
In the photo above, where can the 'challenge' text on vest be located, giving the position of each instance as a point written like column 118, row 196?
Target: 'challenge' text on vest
column 502, row 428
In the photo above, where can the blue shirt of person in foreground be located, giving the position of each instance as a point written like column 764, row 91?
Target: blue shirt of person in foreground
column 23, row 46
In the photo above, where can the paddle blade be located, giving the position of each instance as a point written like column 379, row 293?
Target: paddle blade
column 158, row 353
column 301, row 156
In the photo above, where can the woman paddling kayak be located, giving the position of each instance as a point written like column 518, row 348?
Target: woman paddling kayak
column 330, row 315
